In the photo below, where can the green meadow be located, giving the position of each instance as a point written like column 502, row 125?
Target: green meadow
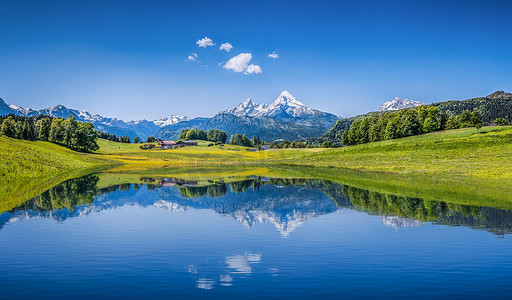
column 29, row 168
column 466, row 166
column 483, row 153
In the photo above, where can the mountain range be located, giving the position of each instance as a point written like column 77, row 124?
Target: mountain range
column 141, row 128
column 285, row 118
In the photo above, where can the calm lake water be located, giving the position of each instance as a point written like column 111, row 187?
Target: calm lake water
column 256, row 238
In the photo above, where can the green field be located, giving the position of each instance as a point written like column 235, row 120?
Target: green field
column 135, row 159
column 463, row 166
column 29, row 168
column 462, row 152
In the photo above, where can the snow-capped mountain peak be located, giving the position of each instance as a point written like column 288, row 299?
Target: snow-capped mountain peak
column 399, row 103
column 286, row 106
column 247, row 102
column 246, row 108
column 285, row 98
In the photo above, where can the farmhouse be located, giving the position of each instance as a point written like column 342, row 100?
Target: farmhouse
column 174, row 145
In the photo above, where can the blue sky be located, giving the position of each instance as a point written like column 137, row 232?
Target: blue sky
column 128, row 59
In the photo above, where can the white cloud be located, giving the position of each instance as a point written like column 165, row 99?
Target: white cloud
column 192, row 57
column 273, row 55
column 240, row 63
column 205, row 42
column 226, row 46
column 253, row 69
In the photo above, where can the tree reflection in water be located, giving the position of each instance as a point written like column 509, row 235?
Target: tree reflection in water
column 284, row 202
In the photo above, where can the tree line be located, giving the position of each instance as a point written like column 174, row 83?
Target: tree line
column 407, row 122
column 69, row 132
column 214, row 135
column 495, row 106
column 115, row 138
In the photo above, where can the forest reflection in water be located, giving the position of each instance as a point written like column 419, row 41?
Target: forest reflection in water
column 284, row 202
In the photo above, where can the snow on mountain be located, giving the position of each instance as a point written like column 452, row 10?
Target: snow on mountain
column 140, row 128
column 247, row 108
column 6, row 109
column 286, row 106
column 286, row 117
column 399, row 103
column 170, row 120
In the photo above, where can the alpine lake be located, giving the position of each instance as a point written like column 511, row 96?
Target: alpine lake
column 257, row 234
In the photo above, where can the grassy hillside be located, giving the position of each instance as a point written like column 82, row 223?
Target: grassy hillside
column 485, row 154
column 29, row 168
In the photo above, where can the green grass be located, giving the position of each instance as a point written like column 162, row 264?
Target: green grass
column 134, row 158
column 463, row 152
column 29, row 168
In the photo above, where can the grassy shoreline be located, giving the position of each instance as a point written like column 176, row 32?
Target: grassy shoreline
column 29, row 168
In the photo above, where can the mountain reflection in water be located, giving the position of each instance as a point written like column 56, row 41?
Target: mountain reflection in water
column 285, row 203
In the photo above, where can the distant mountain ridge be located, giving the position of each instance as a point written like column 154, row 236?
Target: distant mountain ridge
column 141, row 128
column 398, row 103
column 286, row 118
column 285, row 106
